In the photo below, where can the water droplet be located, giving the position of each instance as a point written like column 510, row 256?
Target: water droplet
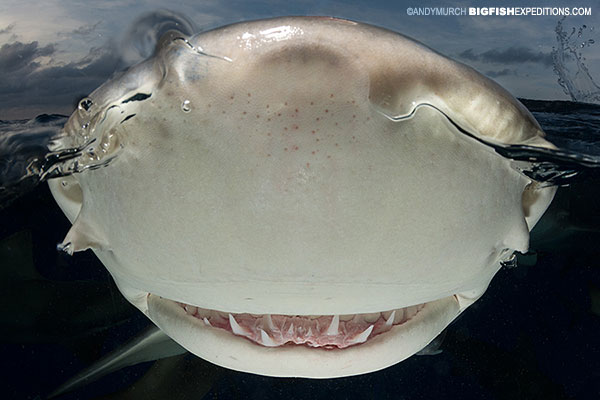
column 85, row 104
column 510, row 263
column 186, row 106
column 569, row 63
column 64, row 247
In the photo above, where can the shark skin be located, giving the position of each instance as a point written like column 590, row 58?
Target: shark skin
column 302, row 196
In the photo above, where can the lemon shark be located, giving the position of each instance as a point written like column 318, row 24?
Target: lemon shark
column 303, row 196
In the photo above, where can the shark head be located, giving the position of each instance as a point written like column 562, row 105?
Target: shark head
column 303, row 196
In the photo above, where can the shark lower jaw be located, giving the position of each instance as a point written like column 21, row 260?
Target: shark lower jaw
column 319, row 346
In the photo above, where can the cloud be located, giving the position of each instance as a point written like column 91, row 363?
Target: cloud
column 85, row 30
column 8, row 29
column 19, row 55
column 26, row 82
column 504, row 72
column 469, row 55
column 29, row 83
column 511, row 55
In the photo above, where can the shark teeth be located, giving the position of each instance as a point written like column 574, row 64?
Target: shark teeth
column 190, row 309
column 325, row 331
column 390, row 320
column 363, row 336
column 269, row 322
column 236, row 328
column 266, row 339
column 334, row 326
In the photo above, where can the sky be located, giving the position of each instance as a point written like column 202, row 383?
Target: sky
column 54, row 52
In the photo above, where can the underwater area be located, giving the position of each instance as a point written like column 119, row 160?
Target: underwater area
column 533, row 334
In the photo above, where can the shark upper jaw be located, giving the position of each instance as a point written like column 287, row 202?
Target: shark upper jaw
column 261, row 351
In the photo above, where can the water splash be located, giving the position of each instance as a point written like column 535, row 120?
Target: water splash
column 143, row 35
column 25, row 160
column 569, row 65
column 22, row 143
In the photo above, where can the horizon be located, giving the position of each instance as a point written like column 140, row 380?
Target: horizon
column 521, row 99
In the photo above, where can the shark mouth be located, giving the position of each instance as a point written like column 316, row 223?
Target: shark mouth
column 322, row 331
column 309, row 346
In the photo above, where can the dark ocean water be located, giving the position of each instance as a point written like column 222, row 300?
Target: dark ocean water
column 534, row 334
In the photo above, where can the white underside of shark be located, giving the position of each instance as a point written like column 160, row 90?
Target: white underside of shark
column 304, row 196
